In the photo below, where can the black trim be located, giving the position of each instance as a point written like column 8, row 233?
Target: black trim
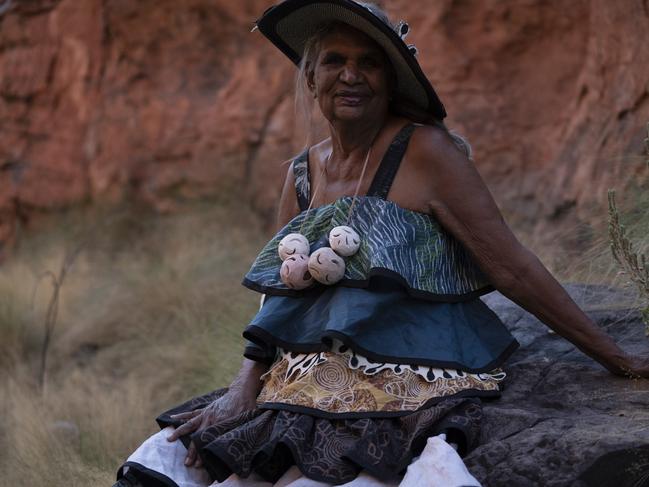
column 364, row 283
column 257, row 355
column 387, row 170
column 279, row 406
column 302, row 199
column 146, row 476
column 261, row 337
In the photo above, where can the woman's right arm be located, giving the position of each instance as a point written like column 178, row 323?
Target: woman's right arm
column 244, row 389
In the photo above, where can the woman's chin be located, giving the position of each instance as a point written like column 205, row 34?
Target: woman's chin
column 352, row 113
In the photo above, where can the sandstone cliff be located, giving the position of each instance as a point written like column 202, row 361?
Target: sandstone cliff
column 101, row 100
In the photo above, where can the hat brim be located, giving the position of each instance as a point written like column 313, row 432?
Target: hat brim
column 289, row 25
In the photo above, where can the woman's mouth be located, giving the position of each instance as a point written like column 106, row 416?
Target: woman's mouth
column 351, row 99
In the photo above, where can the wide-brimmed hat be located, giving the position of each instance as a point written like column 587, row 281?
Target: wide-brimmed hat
column 289, row 25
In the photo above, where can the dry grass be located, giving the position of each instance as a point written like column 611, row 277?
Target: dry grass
column 150, row 313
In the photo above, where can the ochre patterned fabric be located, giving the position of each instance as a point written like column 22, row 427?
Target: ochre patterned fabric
column 325, row 381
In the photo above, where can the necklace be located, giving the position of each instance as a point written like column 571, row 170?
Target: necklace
column 326, row 264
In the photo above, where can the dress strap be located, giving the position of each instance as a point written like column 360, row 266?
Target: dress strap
column 302, row 179
column 389, row 166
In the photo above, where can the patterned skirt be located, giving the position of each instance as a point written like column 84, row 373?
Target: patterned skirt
column 334, row 414
column 268, row 442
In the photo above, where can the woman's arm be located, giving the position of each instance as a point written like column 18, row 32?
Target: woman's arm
column 244, row 389
column 464, row 206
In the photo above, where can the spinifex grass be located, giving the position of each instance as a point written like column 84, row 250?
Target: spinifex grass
column 632, row 261
column 150, row 314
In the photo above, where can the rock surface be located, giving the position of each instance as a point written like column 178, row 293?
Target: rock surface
column 560, row 411
column 101, row 100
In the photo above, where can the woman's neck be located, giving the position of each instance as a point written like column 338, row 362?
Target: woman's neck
column 347, row 138
column 350, row 143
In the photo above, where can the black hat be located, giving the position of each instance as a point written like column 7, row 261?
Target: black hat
column 289, row 24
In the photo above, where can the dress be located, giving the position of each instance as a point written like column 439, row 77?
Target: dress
column 361, row 373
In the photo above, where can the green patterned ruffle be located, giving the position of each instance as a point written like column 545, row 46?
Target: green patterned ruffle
column 407, row 245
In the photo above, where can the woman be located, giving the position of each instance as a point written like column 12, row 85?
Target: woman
column 355, row 376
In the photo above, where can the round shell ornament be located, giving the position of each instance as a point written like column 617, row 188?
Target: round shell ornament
column 326, row 266
column 295, row 272
column 344, row 240
column 293, row 244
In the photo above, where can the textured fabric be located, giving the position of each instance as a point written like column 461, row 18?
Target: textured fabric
column 268, row 442
column 301, row 363
column 385, row 324
column 438, row 465
column 325, row 383
column 409, row 246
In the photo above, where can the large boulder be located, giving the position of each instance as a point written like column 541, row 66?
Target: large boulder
column 560, row 411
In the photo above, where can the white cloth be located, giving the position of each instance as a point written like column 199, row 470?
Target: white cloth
column 439, row 465
column 167, row 457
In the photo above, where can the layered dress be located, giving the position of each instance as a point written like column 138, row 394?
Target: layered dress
column 363, row 372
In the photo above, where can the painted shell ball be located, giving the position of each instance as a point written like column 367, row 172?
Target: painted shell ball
column 326, row 266
column 344, row 240
column 293, row 244
column 295, row 272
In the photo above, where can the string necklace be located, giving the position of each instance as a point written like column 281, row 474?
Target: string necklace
column 323, row 172
column 326, row 265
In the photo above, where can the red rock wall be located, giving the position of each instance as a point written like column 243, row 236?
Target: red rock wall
column 102, row 100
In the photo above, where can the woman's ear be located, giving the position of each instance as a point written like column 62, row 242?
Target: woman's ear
column 309, row 74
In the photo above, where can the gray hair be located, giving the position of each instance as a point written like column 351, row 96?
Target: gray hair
column 304, row 101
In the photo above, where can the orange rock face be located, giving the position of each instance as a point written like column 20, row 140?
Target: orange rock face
column 104, row 100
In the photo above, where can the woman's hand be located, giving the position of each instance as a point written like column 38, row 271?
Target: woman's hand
column 637, row 367
column 241, row 397
column 227, row 406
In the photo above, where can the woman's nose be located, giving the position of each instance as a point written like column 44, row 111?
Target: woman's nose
column 350, row 73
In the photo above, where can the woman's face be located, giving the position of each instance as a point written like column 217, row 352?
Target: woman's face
column 350, row 77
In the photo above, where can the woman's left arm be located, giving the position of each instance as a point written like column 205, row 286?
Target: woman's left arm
column 464, row 206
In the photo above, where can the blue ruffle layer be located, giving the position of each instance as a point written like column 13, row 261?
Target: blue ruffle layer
column 385, row 324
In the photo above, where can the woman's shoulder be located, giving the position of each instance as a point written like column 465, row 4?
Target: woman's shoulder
column 430, row 144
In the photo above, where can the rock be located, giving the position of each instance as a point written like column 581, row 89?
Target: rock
column 560, row 411
column 158, row 100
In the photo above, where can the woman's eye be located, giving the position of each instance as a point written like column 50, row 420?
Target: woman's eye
column 333, row 59
column 369, row 63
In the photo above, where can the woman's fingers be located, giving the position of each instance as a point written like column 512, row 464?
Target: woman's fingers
column 638, row 367
column 189, row 427
column 192, row 454
column 187, row 414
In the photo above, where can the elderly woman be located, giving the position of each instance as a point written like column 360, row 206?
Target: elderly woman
column 372, row 346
